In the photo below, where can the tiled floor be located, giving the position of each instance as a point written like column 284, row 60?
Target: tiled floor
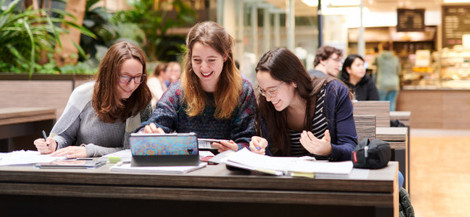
column 440, row 172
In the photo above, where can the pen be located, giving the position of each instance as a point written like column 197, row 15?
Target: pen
column 45, row 137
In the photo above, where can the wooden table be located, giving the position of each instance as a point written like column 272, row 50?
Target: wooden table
column 211, row 191
column 398, row 137
column 20, row 126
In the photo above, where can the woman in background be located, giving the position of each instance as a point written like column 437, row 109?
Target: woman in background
column 157, row 82
column 354, row 75
column 174, row 69
column 100, row 115
column 211, row 99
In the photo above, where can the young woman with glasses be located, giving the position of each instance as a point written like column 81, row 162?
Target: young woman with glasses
column 100, row 115
column 299, row 116
column 211, row 99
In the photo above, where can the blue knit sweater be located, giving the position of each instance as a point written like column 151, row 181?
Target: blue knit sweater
column 170, row 115
column 338, row 111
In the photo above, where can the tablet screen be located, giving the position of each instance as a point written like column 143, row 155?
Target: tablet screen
column 164, row 144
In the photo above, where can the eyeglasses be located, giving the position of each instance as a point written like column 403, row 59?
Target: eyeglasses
column 338, row 60
column 126, row 79
column 271, row 92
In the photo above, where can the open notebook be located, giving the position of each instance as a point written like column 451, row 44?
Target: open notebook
column 286, row 166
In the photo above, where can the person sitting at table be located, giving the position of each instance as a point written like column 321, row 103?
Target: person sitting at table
column 299, row 115
column 354, row 75
column 211, row 99
column 100, row 115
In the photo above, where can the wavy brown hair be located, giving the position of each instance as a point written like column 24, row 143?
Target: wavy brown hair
column 283, row 65
column 229, row 85
column 106, row 101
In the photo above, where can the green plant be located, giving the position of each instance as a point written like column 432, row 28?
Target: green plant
column 154, row 19
column 25, row 34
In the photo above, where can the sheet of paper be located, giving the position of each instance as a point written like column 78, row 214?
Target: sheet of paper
column 23, row 157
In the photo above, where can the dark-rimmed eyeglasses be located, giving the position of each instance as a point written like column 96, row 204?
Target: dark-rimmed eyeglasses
column 272, row 92
column 126, row 79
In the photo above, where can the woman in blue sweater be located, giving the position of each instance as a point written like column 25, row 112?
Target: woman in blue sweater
column 299, row 116
column 211, row 99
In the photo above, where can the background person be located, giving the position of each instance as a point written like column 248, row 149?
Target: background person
column 327, row 62
column 388, row 75
column 298, row 115
column 157, row 82
column 100, row 115
column 174, row 69
column 211, row 99
column 354, row 75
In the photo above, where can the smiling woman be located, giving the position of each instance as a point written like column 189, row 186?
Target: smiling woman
column 299, row 115
column 100, row 115
column 211, row 100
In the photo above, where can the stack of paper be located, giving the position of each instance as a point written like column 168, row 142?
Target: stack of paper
column 289, row 166
column 126, row 167
column 25, row 157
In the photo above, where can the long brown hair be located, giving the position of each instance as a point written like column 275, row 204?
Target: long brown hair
column 106, row 101
column 283, row 65
column 229, row 85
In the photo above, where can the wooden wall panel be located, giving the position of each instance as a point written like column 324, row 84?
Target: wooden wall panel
column 53, row 94
column 436, row 109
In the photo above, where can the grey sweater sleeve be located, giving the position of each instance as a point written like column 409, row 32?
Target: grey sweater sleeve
column 93, row 150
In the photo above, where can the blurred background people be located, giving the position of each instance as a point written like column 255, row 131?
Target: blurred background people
column 354, row 75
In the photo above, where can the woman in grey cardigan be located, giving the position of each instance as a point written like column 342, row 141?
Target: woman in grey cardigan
column 100, row 115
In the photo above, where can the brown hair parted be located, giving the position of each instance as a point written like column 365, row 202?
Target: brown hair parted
column 284, row 66
column 229, row 85
column 324, row 52
column 106, row 100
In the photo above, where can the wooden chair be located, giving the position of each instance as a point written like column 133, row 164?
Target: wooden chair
column 365, row 126
column 381, row 110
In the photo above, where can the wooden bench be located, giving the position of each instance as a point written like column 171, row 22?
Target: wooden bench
column 381, row 110
column 403, row 116
column 19, row 126
column 365, row 126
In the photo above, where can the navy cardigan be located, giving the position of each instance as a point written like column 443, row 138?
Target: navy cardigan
column 338, row 111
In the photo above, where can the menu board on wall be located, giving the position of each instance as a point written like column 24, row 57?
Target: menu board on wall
column 455, row 24
column 410, row 20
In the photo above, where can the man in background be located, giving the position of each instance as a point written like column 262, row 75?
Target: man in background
column 328, row 62
column 388, row 72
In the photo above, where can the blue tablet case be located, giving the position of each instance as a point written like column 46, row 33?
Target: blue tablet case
column 180, row 149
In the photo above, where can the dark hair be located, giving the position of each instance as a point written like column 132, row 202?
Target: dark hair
column 283, row 65
column 387, row 46
column 230, row 81
column 106, row 101
column 324, row 52
column 347, row 64
column 161, row 67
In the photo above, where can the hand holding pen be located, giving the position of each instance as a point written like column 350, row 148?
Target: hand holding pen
column 45, row 145
column 258, row 145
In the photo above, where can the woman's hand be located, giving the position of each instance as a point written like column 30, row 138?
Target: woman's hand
column 226, row 145
column 71, row 152
column 258, row 145
column 152, row 128
column 45, row 146
column 314, row 145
